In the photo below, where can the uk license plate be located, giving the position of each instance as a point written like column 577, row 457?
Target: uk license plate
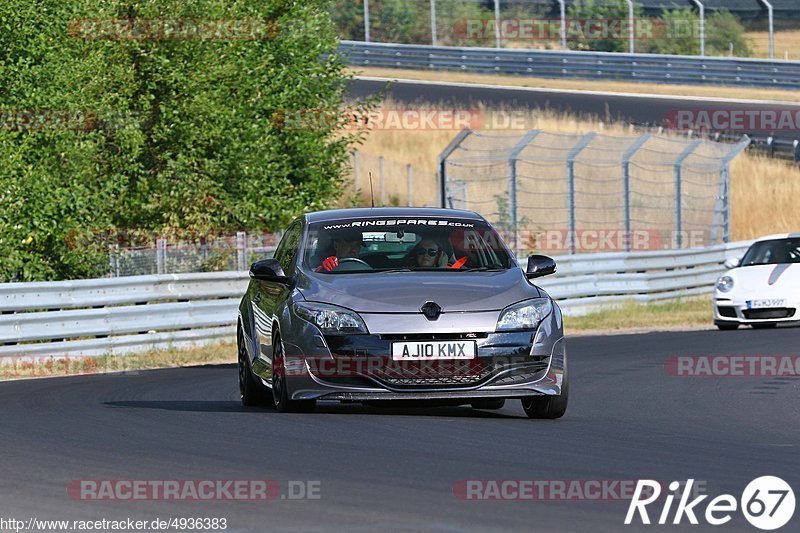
column 429, row 350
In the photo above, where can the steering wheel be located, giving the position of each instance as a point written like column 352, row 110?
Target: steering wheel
column 354, row 262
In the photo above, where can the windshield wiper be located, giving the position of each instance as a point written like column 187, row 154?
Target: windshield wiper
column 479, row 269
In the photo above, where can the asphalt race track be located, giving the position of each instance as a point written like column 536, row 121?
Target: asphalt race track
column 625, row 108
column 379, row 469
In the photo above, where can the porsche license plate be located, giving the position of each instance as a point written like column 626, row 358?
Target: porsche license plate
column 428, row 350
column 761, row 304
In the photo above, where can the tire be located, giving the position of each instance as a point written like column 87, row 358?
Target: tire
column 280, row 393
column 764, row 326
column 251, row 392
column 488, row 403
column 727, row 327
column 549, row 407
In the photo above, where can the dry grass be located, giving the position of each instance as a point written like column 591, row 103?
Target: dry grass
column 787, row 44
column 35, row 367
column 587, row 85
column 764, row 191
column 681, row 314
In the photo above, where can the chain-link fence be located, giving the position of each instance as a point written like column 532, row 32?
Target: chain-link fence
column 568, row 193
column 174, row 256
column 393, row 183
column 741, row 28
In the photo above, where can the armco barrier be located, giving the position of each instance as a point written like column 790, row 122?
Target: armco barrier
column 138, row 313
column 574, row 64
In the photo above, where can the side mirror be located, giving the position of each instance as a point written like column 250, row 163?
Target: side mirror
column 733, row 262
column 540, row 265
column 268, row 270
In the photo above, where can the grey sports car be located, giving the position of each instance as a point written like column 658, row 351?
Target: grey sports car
column 421, row 304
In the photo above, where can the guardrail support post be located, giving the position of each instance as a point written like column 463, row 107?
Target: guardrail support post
column 679, row 192
column 241, row 250
column 381, row 162
column 355, row 173
column 573, row 154
column 409, row 177
column 497, row 23
column 563, row 6
column 626, row 184
column 366, row 21
column 161, row 255
column 433, row 23
column 631, row 30
column 797, row 151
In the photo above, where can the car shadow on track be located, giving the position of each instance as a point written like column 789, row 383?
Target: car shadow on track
column 218, row 406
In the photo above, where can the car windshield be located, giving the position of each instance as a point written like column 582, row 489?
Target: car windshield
column 392, row 244
column 774, row 252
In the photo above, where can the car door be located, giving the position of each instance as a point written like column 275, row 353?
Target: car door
column 268, row 296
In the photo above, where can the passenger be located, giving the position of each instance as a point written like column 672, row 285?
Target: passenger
column 428, row 254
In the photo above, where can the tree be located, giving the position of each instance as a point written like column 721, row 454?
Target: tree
column 188, row 132
column 612, row 38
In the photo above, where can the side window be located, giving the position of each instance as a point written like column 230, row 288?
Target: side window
column 286, row 253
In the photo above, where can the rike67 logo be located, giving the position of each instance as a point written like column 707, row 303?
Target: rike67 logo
column 767, row 503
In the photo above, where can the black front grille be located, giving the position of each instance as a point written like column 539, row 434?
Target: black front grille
column 727, row 312
column 775, row 312
column 433, row 373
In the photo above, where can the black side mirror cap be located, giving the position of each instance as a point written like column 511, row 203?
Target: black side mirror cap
column 268, row 270
column 540, row 265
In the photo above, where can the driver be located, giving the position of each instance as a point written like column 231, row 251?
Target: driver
column 345, row 244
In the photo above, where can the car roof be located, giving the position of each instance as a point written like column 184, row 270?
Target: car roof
column 406, row 212
column 779, row 236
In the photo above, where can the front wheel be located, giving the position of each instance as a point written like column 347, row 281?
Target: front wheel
column 250, row 392
column 280, row 393
column 549, row 407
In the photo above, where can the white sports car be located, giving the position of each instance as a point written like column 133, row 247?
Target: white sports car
column 763, row 288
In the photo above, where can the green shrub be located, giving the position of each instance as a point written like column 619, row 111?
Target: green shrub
column 188, row 132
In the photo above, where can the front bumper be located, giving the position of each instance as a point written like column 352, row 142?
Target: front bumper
column 730, row 309
column 360, row 367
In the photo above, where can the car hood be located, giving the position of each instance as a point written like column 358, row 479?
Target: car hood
column 406, row 292
column 784, row 277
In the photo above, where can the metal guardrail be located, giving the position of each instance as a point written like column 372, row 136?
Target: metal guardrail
column 118, row 315
column 139, row 313
column 574, row 64
column 590, row 282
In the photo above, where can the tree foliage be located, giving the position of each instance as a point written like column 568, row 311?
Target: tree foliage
column 187, row 132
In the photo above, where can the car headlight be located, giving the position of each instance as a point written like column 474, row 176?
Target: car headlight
column 725, row 284
column 524, row 315
column 330, row 318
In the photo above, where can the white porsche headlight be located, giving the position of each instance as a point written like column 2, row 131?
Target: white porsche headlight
column 524, row 315
column 725, row 284
column 330, row 319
